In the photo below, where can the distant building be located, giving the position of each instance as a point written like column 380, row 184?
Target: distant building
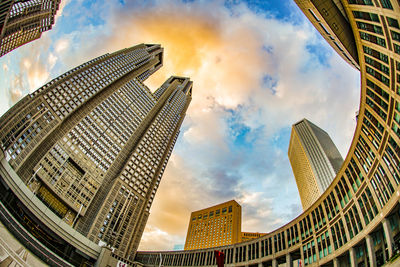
column 215, row 226
column 246, row 236
column 356, row 220
column 315, row 160
column 218, row 225
column 22, row 21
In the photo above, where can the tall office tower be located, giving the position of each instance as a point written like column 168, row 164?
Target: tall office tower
column 331, row 20
column 215, row 226
column 315, row 160
column 93, row 144
column 22, row 21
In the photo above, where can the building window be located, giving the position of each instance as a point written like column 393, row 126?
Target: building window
column 393, row 23
column 361, row 2
column 386, row 4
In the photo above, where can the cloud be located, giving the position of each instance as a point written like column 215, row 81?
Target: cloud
column 60, row 10
column 15, row 90
column 254, row 76
column 165, row 241
column 227, row 56
column 61, row 45
column 34, row 62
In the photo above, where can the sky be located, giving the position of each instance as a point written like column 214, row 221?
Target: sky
column 257, row 67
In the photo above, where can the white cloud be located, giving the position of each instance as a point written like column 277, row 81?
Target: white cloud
column 51, row 60
column 250, row 71
column 61, row 45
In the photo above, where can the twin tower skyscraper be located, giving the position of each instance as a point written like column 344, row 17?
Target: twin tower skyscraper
column 92, row 145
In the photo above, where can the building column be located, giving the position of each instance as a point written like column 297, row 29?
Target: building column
column 353, row 259
column 336, row 262
column 182, row 259
column 104, row 258
column 371, row 251
column 173, row 259
column 302, row 255
column 260, row 264
column 274, row 263
column 289, row 260
column 388, row 235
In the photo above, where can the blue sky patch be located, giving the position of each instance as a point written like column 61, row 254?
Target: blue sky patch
column 269, row 83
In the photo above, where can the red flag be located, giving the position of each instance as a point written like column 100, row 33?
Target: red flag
column 220, row 258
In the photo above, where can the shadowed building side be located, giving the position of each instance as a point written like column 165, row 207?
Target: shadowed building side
column 330, row 19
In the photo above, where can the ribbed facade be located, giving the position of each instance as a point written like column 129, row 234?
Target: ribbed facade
column 93, row 143
column 356, row 221
column 22, row 21
column 315, row 160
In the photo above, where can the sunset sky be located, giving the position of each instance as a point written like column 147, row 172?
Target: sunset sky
column 257, row 68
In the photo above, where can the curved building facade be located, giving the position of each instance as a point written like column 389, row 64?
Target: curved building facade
column 356, row 220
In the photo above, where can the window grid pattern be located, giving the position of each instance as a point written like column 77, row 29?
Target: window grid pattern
column 25, row 22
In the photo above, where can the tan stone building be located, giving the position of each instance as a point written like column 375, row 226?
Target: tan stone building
column 218, row 225
column 22, row 21
column 315, row 160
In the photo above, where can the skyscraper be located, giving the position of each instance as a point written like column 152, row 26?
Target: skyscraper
column 315, row 160
column 22, row 21
column 93, row 144
column 218, row 225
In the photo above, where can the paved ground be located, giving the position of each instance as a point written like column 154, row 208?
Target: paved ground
column 13, row 254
